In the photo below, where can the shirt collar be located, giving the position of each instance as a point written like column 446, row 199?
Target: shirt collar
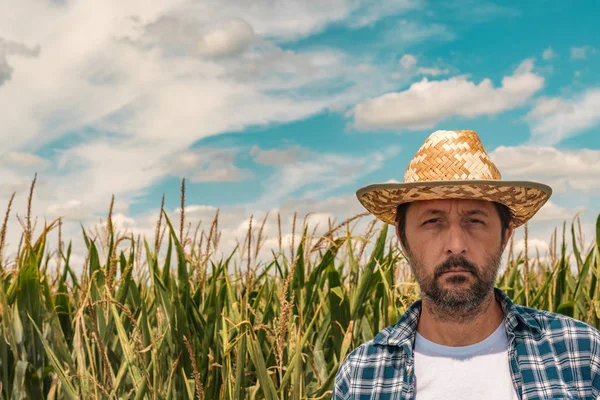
column 402, row 333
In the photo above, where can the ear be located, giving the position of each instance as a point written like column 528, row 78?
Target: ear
column 398, row 237
column 507, row 235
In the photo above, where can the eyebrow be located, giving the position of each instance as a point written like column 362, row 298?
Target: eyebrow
column 433, row 211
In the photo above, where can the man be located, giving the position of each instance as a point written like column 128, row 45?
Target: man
column 465, row 339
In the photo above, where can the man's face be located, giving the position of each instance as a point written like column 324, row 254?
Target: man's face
column 454, row 248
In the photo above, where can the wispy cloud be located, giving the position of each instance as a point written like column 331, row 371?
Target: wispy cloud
column 208, row 165
column 435, row 71
column 412, row 32
column 70, row 210
column 125, row 92
column 23, row 160
column 289, row 20
column 474, row 11
column 213, row 40
column 320, row 175
column 152, row 80
column 580, row 53
column 408, row 61
column 549, row 54
column 554, row 119
column 368, row 12
column 285, row 156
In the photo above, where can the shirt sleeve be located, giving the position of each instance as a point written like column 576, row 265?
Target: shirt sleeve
column 341, row 386
column 595, row 364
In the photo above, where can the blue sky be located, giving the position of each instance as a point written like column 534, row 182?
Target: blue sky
column 288, row 106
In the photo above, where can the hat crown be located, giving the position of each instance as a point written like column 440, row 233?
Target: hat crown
column 451, row 155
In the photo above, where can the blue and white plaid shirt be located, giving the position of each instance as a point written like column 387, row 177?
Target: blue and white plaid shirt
column 551, row 357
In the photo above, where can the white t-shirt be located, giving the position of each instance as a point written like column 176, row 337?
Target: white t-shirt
column 478, row 371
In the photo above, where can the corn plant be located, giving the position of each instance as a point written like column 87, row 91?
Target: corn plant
column 171, row 320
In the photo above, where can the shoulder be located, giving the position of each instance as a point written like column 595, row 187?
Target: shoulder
column 561, row 327
column 350, row 367
column 573, row 344
column 364, row 363
column 366, row 355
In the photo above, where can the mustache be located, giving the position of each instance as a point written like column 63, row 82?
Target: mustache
column 457, row 261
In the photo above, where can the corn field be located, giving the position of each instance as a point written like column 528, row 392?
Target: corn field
column 168, row 320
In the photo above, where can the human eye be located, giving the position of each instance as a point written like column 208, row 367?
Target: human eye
column 431, row 221
column 475, row 221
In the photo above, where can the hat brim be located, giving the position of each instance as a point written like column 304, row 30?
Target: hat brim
column 523, row 198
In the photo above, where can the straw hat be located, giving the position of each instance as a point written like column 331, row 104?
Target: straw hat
column 454, row 165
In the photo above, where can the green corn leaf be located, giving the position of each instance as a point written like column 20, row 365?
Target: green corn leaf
column 256, row 355
column 29, row 300
column 358, row 297
column 68, row 389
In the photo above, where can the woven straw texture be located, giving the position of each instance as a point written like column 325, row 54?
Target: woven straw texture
column 457, row 157
column 451, row 155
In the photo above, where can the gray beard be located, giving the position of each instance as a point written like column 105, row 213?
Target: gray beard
column 451, row 305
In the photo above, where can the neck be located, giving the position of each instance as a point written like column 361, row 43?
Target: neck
column 463, row 328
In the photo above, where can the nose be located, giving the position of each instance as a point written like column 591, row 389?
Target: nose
column 456, row 241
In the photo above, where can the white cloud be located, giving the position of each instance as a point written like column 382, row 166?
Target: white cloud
column 271, row 68
column 426, row 103
column 290, row 20
column 341, row 205
column 411, row 32
column 470, row 11
column 198, row 210
column 133, row 76
column 231, row 39
column 223, row 38
column 289, row 155
column 118, row 71
column 408, row 61
column 533, row 246
column 221, row 174
column 13, row 181
column 555, row 119
column 233, row 224
column 10, row 48
column 70, row 210
column 149, row 79
column 208, row 165
column 5, row 70
column 581, row 52
column 371, row 11
column 435, row 71
column 548, row 54
column 321, row 174
column 563, row 170
column 75, row 210
column 553, row 212
column 121, row 222
column 234, row 221
column 22, row 160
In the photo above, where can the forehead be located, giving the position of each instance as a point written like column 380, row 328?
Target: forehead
column 450, row 205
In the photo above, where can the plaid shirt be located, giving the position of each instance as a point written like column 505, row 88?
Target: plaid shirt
column 551, row 357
